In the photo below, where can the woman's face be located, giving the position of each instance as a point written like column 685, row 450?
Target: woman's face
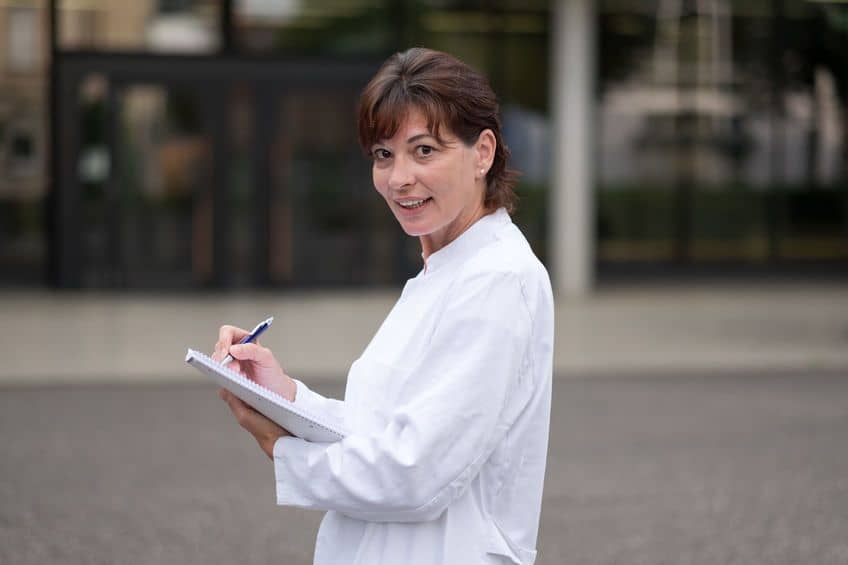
column 435, row 190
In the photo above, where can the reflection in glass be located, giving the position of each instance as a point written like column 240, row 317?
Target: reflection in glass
column 324, row 214
column 167, row 26
column 315, row 27
column 23, row 37
column 243, row 245
column 23, row 142
column 722, row 132
column 144, row 168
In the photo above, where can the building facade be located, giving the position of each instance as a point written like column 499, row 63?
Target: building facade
column 177, row 144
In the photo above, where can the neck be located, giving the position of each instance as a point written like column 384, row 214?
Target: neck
column 435, row 241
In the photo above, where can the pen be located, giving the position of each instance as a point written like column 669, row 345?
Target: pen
column 251, row 337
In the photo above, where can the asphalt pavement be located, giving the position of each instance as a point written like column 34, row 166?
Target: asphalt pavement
column 728, row 469
column 699, row 424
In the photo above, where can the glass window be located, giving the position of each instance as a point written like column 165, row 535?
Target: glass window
column 24, row 39
column 23, row 142
column 165, row 26
column 722, row 132
column 316, row 27
column 144, row 175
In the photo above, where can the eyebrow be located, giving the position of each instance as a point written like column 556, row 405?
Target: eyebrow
column 412, row 139
column 419, row 136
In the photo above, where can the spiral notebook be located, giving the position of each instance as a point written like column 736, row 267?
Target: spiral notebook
column 295, row 419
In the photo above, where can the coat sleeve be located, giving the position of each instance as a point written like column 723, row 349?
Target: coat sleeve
column 318, row 404
column 444, row 426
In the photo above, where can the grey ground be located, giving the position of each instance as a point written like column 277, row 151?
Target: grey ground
column 702, row 469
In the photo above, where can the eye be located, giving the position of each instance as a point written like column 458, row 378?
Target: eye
column 424, row 150
column 380, row 154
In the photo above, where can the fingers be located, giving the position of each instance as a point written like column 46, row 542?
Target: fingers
column 247, row 417
column 227, row 335
column 262, row 356
column 244, row 414
column 263, row 430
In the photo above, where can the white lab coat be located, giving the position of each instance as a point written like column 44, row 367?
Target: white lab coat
column 449, row 408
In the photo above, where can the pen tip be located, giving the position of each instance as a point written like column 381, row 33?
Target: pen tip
column 271, row 319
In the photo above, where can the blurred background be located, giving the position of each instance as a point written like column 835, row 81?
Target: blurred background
column 196, row 144
column 167, row 166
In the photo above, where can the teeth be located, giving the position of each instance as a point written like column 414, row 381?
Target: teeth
column 413, row 203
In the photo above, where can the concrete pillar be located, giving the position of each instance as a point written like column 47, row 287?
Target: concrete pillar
column 572, row 211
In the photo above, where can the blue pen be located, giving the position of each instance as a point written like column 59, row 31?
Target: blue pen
column 251, row 337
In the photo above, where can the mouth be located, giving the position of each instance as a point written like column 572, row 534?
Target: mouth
column 413, row 203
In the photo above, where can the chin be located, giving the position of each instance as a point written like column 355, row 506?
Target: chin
column 414, row 231
column 413, row 228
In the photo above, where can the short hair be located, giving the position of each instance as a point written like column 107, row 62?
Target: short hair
column 449, row 94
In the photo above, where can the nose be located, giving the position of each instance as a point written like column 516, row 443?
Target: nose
column 401, row 175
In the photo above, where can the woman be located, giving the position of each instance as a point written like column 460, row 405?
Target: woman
column 449, row 404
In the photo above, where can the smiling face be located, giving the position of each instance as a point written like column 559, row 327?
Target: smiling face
column 434, row 188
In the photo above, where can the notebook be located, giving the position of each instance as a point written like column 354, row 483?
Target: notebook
column 295, row 419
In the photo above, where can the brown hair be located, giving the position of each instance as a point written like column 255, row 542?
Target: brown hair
column 450, row 94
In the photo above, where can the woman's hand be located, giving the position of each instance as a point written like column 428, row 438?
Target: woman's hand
column 259, row 365
column 261, row 428
column 253, row 361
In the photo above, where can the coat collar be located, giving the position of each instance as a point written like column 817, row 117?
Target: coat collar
column 476, row 236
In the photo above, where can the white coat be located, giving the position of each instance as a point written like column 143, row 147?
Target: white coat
column 449, row 408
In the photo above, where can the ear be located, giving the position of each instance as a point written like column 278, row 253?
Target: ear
column 484, row 148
